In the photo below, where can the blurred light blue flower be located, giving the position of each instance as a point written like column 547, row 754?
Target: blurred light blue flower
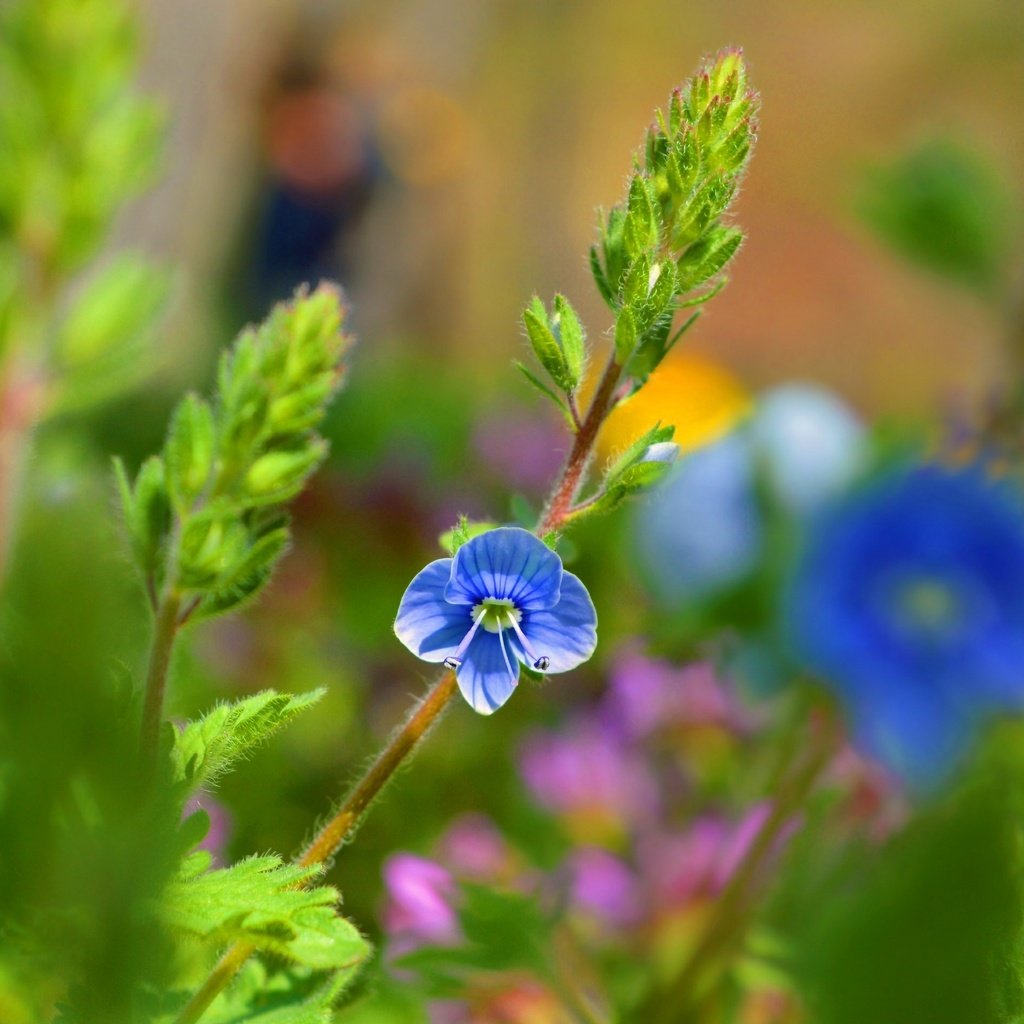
column 910, row 603
column 810, row 444
column 702, row 532
column 503, row 599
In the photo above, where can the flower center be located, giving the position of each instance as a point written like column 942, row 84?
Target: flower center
column 498, row 613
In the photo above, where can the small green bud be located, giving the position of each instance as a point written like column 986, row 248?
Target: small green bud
column 147, row 513
column 279, row 475
column 625, row 336
column 708, row 256
column 572, row 338
column 212, row 542
column 545, row 345
column 190, row 450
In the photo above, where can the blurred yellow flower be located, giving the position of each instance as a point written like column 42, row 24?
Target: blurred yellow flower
column 701, row 399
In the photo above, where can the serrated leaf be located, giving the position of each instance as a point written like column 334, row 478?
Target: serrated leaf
column 205, row 749
column 265, row 903
column 273, row 994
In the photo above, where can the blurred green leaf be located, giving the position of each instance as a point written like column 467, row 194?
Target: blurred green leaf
column 943, row 207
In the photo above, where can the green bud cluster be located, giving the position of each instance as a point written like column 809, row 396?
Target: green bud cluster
column 668, row 240
column 206, row 516
column 75, row 141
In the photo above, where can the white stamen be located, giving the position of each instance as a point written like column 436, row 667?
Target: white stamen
column 453, row 661
column 504, row 653
column 540, row 663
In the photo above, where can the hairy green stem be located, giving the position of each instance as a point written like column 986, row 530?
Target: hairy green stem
column 165, row 629
column 559, row 506
column 407, row 738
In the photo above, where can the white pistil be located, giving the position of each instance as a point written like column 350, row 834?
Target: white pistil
column 540, row 663
column 453, row 661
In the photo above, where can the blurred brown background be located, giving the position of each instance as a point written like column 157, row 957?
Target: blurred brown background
column 498, row 126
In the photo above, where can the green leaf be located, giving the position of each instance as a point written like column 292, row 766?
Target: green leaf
column 571, row 337
column 656, row 435
column 275, row 994
column 943, row 207
column 242, row 581
column 465, row 530
column 265, row 903
column 190, row 450
column 205, row 749
column 147, row 514
column 625, row 335
column 545, row 345
column 706, row 257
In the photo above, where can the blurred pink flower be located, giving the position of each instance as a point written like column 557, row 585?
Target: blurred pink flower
column 697, row 864
column 473, row 848
column 587, row 768
column 522, row 449
column 646, row 695
column 419, row 902
column 604, row 886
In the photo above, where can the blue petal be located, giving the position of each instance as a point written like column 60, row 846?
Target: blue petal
column 484, row 677
column 567, row 634
column 430, row 627
column 507, row 563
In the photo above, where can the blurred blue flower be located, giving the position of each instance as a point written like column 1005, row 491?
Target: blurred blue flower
column 910, row 603
column 503, row 599
column 703, row 531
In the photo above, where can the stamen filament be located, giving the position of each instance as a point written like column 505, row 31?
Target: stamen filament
column 504, row 653
column 540, row 663
column 453, row 661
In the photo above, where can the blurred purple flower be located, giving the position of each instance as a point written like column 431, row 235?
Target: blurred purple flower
column 521, row 449
column 473, row 848
column 646, row 695
column 587, row 768
column 697, row 864
column 419, row 902
column 216, row 840
column 604, row 886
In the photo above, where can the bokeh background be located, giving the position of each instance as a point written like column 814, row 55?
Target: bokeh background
column 444, row 160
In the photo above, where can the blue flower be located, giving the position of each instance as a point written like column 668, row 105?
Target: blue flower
column 503, row 599
column 910, row 603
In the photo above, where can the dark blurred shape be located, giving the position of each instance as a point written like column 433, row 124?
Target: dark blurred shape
column 930, row 935
column 943, row 207
column 321, row 174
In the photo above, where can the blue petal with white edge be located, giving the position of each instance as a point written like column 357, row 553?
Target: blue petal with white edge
column 484, row 677
column 507, row 563
column 430, row 627
column 567, row 633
